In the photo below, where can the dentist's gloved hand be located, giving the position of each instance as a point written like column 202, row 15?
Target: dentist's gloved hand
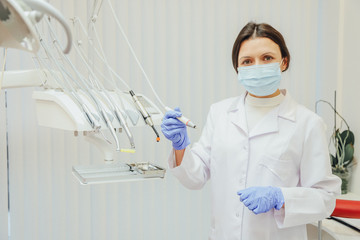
column 262, row 199
column 174, row 130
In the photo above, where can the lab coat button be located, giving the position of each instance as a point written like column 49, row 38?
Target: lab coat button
column 237, row 214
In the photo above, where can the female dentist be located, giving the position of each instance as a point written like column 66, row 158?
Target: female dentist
column 267, row 156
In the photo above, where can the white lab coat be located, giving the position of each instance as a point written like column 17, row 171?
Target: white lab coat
column 286, row 149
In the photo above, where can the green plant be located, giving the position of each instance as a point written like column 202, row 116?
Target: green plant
column 344, row 145
column 343, row 158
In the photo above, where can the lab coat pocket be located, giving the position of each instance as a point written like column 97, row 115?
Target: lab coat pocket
column 283, row 170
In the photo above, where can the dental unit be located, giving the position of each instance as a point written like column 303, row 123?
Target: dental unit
column 74, row 97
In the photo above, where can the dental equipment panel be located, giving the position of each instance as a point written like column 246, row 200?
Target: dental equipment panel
column 73, row 97
column 56, row 109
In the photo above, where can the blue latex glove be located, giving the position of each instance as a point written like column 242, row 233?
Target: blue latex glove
column 262, row 199
column 174, row 130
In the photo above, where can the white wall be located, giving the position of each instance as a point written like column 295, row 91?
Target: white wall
column 350, row 80
column 185, row 48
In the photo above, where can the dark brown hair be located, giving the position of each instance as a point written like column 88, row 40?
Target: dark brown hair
column 254, row 30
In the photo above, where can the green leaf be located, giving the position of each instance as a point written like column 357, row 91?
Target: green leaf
column 350, row 138
column 349, row 152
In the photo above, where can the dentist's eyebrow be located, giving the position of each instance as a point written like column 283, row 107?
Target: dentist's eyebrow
column 272, row 53
column 244, row 57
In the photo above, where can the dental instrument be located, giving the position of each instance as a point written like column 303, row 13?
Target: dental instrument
column 140, row 107
column 105, row 94
column 144, row 113
column 69, row 88
column 183, row 119
column 121, row 117
column 100, row 107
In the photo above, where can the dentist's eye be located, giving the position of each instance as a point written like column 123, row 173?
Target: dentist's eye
column 246, row 62
column 268, row 58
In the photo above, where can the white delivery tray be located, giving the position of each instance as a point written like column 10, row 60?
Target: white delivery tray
column 117, row 172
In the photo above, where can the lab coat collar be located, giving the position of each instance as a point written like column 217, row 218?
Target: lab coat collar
column 237, row 113
column 286, row 110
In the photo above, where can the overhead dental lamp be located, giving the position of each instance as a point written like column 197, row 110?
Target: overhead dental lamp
column 17, row 20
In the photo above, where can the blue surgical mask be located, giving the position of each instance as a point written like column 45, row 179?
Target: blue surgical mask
column 260, row 80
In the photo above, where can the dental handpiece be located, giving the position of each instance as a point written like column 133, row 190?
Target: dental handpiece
column 120, row 118
column 183, row 119
column 147, row 118
column 122, row 121
column 111, row 128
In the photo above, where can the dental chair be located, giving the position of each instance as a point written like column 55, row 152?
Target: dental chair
column 343, row 209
